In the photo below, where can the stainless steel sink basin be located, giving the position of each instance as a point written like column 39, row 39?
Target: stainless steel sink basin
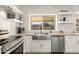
column 41, row 37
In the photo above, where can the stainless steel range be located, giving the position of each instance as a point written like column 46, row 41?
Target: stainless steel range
column 11, row 44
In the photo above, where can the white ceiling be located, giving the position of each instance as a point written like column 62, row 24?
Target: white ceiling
column 25, row 8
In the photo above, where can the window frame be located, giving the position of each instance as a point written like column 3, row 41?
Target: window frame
column 42, row 28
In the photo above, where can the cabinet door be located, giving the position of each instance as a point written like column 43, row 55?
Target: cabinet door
column 27, row 44
column 77, row 44
column 0, row 49
column 45, row 46
column 35, row 46
column 41, row 46
column 70, row 44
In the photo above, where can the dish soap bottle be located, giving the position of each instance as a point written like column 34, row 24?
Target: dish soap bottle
column 64, row 18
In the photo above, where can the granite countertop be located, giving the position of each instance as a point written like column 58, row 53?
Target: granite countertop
column 5, row 36
column 3, row 33
column 54, row 34
column 65, row 34
column 29, row 34
column 20, row 34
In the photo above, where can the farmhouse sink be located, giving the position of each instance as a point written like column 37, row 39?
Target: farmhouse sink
column 41, row 36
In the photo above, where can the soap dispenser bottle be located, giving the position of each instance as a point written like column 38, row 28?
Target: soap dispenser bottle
column 64, row 18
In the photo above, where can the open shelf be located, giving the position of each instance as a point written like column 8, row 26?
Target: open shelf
column 66, row 22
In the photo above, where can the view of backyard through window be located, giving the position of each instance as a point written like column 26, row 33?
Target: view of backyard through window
column 45, row 22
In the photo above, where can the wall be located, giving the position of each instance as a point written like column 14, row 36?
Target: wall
column 7, row 24
column 42, row 9
column 4, row 24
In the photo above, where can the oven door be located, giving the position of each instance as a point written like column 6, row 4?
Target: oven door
column 18, row 50
column 14, row 49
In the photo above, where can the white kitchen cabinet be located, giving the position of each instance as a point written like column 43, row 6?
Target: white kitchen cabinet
column 27, row 44
column 71, row 44
column 77, row 44
column 0, row 49
column 41, row 46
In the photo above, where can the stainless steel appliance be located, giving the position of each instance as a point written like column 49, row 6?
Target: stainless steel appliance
column 57, row 44
column 18, row 50
column 12, row 45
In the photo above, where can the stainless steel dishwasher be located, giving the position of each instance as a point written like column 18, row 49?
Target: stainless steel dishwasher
column 57, row 44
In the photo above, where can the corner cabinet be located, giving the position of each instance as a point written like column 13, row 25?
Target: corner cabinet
column 72, row 44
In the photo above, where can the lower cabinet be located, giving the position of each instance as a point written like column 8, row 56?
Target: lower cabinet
column 71, row 44
column 41, row 46
column 0, row 49
column 36, row 46
column 27, row 44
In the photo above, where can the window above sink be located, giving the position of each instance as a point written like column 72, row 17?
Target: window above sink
column 42, row 22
